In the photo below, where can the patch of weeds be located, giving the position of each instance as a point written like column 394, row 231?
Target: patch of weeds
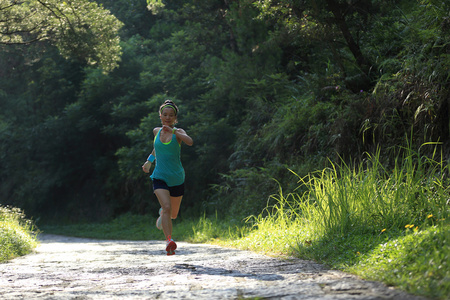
column 17, row 234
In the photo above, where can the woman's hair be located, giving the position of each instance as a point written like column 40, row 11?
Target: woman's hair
column 168, row 103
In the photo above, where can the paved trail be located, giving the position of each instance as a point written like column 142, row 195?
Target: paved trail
column 74, row 268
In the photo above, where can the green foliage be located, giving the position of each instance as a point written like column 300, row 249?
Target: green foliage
column 242, row 192
column 262, row 87
column 412, row 91
column 17, row 234
column 155, row 6
column 79, row 29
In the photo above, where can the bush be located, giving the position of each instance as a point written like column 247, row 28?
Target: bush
column 17, row 234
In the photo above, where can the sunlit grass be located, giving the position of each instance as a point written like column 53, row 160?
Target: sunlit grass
column 213, row 229
column 17, row 234
column 417, row 261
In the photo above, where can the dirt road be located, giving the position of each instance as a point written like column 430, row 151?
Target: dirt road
column 74, row 268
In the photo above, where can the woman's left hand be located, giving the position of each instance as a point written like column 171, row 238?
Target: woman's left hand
column 167, row 128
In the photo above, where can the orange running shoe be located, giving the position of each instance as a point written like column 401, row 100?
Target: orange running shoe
column 170, row 246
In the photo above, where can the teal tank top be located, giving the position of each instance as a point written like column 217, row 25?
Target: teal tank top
column 168, row 163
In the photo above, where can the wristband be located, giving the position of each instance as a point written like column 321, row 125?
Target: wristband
column 151, row 158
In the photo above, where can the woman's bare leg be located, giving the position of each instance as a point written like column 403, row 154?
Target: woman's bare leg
column 165, row 202
column 175, row 205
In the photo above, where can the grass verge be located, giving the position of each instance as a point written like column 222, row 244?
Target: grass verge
column 17, row 234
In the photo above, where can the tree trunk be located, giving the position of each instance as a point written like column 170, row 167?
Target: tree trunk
column 339, row 19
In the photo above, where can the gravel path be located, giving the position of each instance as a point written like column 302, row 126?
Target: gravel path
column 74, row 268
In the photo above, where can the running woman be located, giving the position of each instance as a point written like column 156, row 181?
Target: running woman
column 168, row 175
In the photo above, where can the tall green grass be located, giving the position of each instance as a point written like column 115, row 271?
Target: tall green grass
column 369, row 198
column 17, row 234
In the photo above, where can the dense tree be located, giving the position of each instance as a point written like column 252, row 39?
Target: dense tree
column 79, row 28
column 262, row 86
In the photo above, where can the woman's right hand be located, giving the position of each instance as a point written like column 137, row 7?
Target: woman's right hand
column 146, row 166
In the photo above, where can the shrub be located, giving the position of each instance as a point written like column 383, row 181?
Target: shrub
column 17, row 234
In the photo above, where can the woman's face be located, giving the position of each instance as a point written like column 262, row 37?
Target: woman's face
column 168, row 116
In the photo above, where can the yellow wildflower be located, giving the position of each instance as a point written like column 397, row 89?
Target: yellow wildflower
column 383, row 230
column 429, row 216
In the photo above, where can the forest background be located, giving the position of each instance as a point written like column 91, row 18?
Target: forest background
column 263, row 87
